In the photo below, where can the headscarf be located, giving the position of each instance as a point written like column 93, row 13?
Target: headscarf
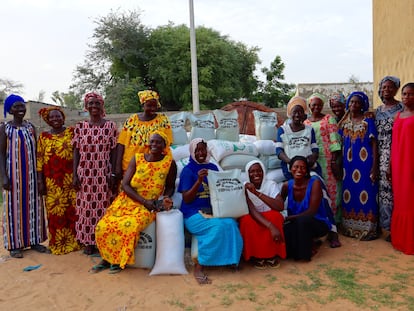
column 317, row 95
column 339, row 97
column 44, row 113
column 193, row 147
column 193, row 165
column 362, row 96
column 167, row 149
column 10, row 101
column 148, row 95
column 99, row 98
column 393, row 79
column 295, row 101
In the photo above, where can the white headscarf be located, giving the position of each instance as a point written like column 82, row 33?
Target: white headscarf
column 268, row 187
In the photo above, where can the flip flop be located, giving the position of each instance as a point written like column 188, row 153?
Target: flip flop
column 39, row 248
column 16, row 253
column 99, row 267
column 114, row 269
column 203, row 279
column 335, row 244
column 273, row 263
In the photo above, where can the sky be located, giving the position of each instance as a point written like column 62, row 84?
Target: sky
column 319, row 41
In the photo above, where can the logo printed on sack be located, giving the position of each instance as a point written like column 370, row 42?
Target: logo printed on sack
column 228, row 184
column 145, row 241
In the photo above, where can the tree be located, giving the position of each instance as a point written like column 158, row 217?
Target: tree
column 8, row 86
column 68, row 100
column 225, row 68
column 273, row 92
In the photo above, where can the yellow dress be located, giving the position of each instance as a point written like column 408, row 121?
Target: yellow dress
column 135, row 133
column 117, row 233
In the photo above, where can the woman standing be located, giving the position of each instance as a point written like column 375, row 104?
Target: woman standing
column 94, row 145
column 384, row 120
column 134, row 135
column 149, row 175
column 55, row 175
column 360, row 163
column 402, row 168
column 262, row 228
column 307, row 211
column 337, row 104
column 23, row 216
column 219, row 239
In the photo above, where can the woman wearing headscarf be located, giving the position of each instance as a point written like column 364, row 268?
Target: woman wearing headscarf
column 135, row 132
column 296, row 138
column 55, row 175
column 219, row 239
column 337, row 103
column 262, row 228
column 94, row 144
column 360, row 164
column 329, row 143
column 384, row 120
column 149, row 175
column 23, row 216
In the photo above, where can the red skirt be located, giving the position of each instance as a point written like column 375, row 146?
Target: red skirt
column 257, row 240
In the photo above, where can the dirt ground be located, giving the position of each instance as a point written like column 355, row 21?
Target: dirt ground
column 357, row 276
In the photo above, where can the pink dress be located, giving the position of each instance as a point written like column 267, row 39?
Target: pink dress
column 95, row 144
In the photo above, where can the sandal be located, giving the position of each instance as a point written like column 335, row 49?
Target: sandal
column 89, row 250
column 39, row 248
column 260, row 264
column 113, row 269
column 203, row 279
column 16, row 253
column 273, row 263
column 103, row 265
column 335, row 243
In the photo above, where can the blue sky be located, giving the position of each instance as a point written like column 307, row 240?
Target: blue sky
column 319, row 41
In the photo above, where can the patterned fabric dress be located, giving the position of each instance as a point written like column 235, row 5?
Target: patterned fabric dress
column 384, row 120
column 117, row 233
column 55, row 161
column 328, row 140
column 23, row 216
column 402, row 149
column 95, row 144
column 135, row 134
column 359, row 207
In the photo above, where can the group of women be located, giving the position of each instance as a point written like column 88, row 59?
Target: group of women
column 335, row 167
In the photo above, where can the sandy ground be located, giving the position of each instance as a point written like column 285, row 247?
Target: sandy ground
column 357, row 276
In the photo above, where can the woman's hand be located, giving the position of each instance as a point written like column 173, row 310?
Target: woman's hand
column 6, row 183
column 249, row 186
column 202, row 173
column 276, row 236
column 373, row 175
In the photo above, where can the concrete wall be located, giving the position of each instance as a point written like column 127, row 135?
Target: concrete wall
column 393, row 41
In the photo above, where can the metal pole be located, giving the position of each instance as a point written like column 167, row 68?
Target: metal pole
column 193, row 50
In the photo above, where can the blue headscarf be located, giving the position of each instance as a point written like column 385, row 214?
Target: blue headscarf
column 362, row 96
column 393, row 79
column 10, row 101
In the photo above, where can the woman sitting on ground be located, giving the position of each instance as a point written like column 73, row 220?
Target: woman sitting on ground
column 262, row 228
column 308, row 215
column 149, row 175
column 219, row 239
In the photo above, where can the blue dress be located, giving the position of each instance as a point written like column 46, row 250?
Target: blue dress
column 359, row 194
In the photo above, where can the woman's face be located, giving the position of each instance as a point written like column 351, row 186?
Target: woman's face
column 157, row 144
column 299, row 169
column 338, row 108
column 298, row 115
column 355, row 105
column 388, row 90
column 316, row 105
column 407, row 97
column 94, row 107
column 55, row 119
column 256, row 175
column 200, row 152
column 150, row 107
column 18, row 109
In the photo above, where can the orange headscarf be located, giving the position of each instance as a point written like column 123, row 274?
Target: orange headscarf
column 44, row 113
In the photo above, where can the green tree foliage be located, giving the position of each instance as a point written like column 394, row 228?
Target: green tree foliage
column 273, row 92
column 68, row 100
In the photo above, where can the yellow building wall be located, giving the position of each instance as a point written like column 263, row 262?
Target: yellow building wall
column 393, row 41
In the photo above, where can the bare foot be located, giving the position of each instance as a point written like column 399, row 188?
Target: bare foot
column 199, row 275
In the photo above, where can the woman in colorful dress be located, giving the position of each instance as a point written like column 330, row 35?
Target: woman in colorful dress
column 94, row 151
column 55, row 175
column 384, row 120
column 23, row 216
column 262, row 228
column 329, row 143
column 134, row 135
column 402, row 169
column 219, row 239
column 149, row 175
column 337, row 103
column 360, row 163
